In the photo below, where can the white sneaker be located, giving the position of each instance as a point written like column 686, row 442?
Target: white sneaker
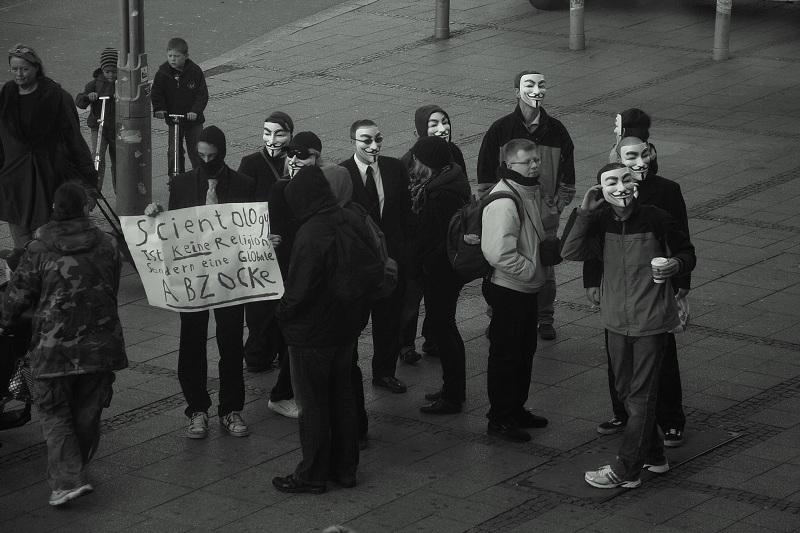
column 657, row 468
column 59, row 497
column 233, row 424
column 605, row 478
column 198, row 426
column 287, row 408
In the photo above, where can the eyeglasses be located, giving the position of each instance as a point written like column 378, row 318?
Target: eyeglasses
column 527, row 163
column 299, row 153
column 369, row 140
column 19, row 50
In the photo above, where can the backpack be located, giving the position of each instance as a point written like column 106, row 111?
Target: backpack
column 359, row 260
column 464, row 236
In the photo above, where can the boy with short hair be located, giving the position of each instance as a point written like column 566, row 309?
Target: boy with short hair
column 638, row 310
column 100, row 89
column 179, row 88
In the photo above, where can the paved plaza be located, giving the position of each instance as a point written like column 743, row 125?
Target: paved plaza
column 727, row 132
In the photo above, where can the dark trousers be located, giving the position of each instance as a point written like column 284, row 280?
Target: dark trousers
column 636, row 362
column 441, row 298
column 386, row 313
column 512, row 344
column 410, row 317
column 669, row 407
column 188, row 132
column 69, row 411
column 283, row 390
column 193, row 363
column 357, row 380
column 264, row 338
column 107, row 142
column 327, row 413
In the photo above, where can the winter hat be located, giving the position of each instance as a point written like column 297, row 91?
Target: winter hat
column 69, row 201
column 279, row 117
column 108, row 58
column 28, row 54
column 433, row 152
column 214, row 135
column 305, row 140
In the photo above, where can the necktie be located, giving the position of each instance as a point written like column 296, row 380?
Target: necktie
column 372, row 193
column 211, row 195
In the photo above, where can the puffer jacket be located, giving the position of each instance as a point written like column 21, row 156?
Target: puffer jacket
column 69, row 278
column 102, row 87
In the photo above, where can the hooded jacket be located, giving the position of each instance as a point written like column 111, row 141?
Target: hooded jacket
column 309, row 314
column 510, row 243
column 35, row 160
column 421, row 117
column 102, row 87
column 69, row 277
column 633, row 304
column 179, row 92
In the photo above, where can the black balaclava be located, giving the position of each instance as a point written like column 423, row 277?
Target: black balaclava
column 213, row 135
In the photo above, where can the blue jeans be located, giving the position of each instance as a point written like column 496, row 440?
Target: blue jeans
column 328, row 424
column 637, row 362
column 69, row 411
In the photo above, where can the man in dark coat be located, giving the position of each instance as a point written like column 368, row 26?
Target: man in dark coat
column 213, row 182
column 380, row 184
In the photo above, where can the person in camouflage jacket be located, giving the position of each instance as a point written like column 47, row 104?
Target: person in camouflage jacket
column 68, row 277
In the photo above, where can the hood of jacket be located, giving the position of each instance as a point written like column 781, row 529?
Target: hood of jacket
column 308, row 192
column 421, row 116
column 167, row 69
column 69, row 237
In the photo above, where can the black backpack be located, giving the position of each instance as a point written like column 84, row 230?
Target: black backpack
column 464, row 236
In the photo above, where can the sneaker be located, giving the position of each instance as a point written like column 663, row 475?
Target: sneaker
column 673, row 438
column 605, row 478
column 233, row 424
column 59, row 497
column 410, row 357
column 508, row 432
column 615, row 425
column 547, row 332
column 198, row 426
column 657, row 468
column 287, row 408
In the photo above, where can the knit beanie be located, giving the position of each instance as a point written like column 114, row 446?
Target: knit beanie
column 69, row 201
column 108, row 58
column 28, row 54
column 279, row 117
column 213, row 135
column 433, row 152
column 307, row 140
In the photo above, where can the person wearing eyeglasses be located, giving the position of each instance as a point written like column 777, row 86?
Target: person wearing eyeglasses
column 510, row 242
column 41, row 146
column 529, row 120
column 380, row 185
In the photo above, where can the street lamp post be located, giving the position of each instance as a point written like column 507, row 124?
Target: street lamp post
column 722, row 30
column 133, row 136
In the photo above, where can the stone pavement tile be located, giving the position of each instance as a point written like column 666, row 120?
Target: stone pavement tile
column 103, row 520
column 159, row 525
column 741, row 527
column 550, row 372
column 726, row 508
column 722, row 477
column 191, row 470
column 338, row 505
column 775, row 417
column 393, row 516
column 436, row 523
column 458, row 486
column 44, row 518
column 616, row 523
column 773, row 519
column 135, row 494
column 538, row 524
column 780, row 300
column 23, row 499
column 136, row 457
column 733, row 391
column 778, row 368
column 748, row 463
column 501, row 496
column 779, row 482
column 573, row 515
column 780, row 448
column 203, row 509
column 699, row 522
column 467, row 511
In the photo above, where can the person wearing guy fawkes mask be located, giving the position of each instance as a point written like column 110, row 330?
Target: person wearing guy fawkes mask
column 556, row 173
column 212, row 182
column 666, row 194
column 264, row 340
column 638, row 308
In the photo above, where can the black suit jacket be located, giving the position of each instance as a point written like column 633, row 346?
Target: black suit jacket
column 397, row 217
column 189, row 189
column 256, row 166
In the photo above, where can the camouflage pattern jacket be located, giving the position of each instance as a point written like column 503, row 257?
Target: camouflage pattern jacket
column 69, row 277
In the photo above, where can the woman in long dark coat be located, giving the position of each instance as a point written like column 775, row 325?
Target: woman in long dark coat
column 41, row 145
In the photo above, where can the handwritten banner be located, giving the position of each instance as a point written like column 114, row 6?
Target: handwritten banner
column 204, row 257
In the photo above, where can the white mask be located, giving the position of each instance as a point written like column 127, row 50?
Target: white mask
column 635, row 155
column 532, row 89
column 619, row 187
column 368, row 141
column 275, row 137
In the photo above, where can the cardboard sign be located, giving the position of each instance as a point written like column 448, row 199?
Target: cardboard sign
column 204, row 257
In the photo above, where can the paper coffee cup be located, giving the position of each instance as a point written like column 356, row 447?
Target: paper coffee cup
column 657, row 264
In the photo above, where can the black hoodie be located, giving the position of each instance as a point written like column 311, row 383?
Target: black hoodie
column 421, row 116
column 178, row 92
column 309, row 314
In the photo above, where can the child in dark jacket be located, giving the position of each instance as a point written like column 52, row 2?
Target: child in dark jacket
column 638, row 308
column 179, row 88
column 97, row 92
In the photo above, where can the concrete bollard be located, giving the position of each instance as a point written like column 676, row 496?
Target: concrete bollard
column 442, row 25
column 722, row 30
column 577, row 39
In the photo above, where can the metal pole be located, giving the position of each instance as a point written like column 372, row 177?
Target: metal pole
column 577, row 39
column 442, row 27
column 133, row 134
column 722, row 30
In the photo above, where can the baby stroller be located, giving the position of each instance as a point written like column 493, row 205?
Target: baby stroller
column 13, row 348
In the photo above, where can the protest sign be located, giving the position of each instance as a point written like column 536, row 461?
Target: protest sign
column 204, row 257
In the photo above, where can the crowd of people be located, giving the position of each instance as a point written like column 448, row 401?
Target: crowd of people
column 310, row 335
